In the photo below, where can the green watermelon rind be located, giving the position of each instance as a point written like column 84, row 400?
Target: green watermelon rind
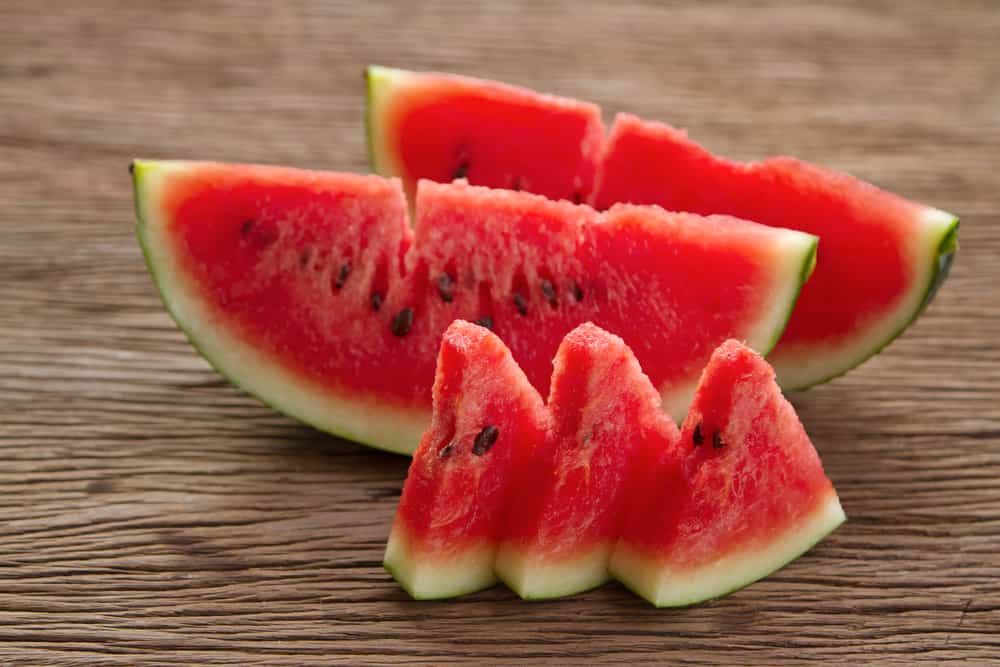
column 401, row 565
column 378, row 84
column 831, row 516
column 533, row 580
column 808, row 266
column 798, row 259
column 941, row 229
column 342, row 416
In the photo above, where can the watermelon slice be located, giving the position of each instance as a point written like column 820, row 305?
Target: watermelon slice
column 880, row 258
column 310, row 290
column 444, row 127
column 742, row 493
column 880, row 261
column 487, row 419
column 599, row 480
column 565, row 520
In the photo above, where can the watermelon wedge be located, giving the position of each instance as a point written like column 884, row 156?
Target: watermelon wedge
column 881, row 258
column 311, row 291
column 742, row 494
column 487, row 419
column 880, row 261
column 565, row 519
column 445, row 127
column 599, row 481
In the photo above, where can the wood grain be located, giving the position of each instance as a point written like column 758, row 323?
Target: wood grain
column 152, row 514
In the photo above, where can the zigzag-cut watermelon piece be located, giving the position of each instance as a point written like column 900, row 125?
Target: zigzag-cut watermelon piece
column 603, row 484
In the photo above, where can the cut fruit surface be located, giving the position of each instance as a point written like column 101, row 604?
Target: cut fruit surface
column 255, row 265
column 600, row 482
column 742, row 494
column 311, row 291
column 880, row 256
column 606, row 420
column 444, row 127
column 487, row 420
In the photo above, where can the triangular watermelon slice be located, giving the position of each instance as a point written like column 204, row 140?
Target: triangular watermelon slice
column 564, row 521
column 881, row 257
column 311, row 291
column 487, row 420
column 742, row 494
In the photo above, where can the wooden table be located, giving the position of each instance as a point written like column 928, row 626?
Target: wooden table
column 151, row 513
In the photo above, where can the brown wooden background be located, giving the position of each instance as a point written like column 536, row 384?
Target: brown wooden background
column 149, row 512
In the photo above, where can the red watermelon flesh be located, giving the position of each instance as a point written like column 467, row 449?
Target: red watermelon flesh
column 444, row 127
column 599, row 480
column 742, row 494
column 309, row 289
column 879, row 260
column 488, row 419
column 606, row 420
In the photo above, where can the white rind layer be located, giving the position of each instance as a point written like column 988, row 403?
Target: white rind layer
column 426, row 577
column 802, row 366
column 795, row 258
column 368, row 420
column 537, row 579
column 653, row 578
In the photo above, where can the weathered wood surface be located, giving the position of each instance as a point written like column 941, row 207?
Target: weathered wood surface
column 150, row 513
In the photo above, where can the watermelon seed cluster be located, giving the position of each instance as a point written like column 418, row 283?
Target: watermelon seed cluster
column 445, row 285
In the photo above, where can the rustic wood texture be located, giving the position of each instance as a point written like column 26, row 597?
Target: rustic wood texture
column 151, row 513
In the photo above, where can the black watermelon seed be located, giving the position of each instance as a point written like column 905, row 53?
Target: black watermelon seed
column 717, row 442
column 577, row 292
column 345, row 270
column 376, row 301
column 461, row 171
column 446, row 287
column 697, row 438
column 402, row 323
column 486, row 439
column 485, row 322
column 520, row 303
column 515, row 184
column 445, row 451
column 549, row 292
column 246, row 228
column 305, row 257
column 577, row 197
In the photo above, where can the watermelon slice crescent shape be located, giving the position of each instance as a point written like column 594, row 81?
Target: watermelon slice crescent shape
column 881, row 257
column 311, row 291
